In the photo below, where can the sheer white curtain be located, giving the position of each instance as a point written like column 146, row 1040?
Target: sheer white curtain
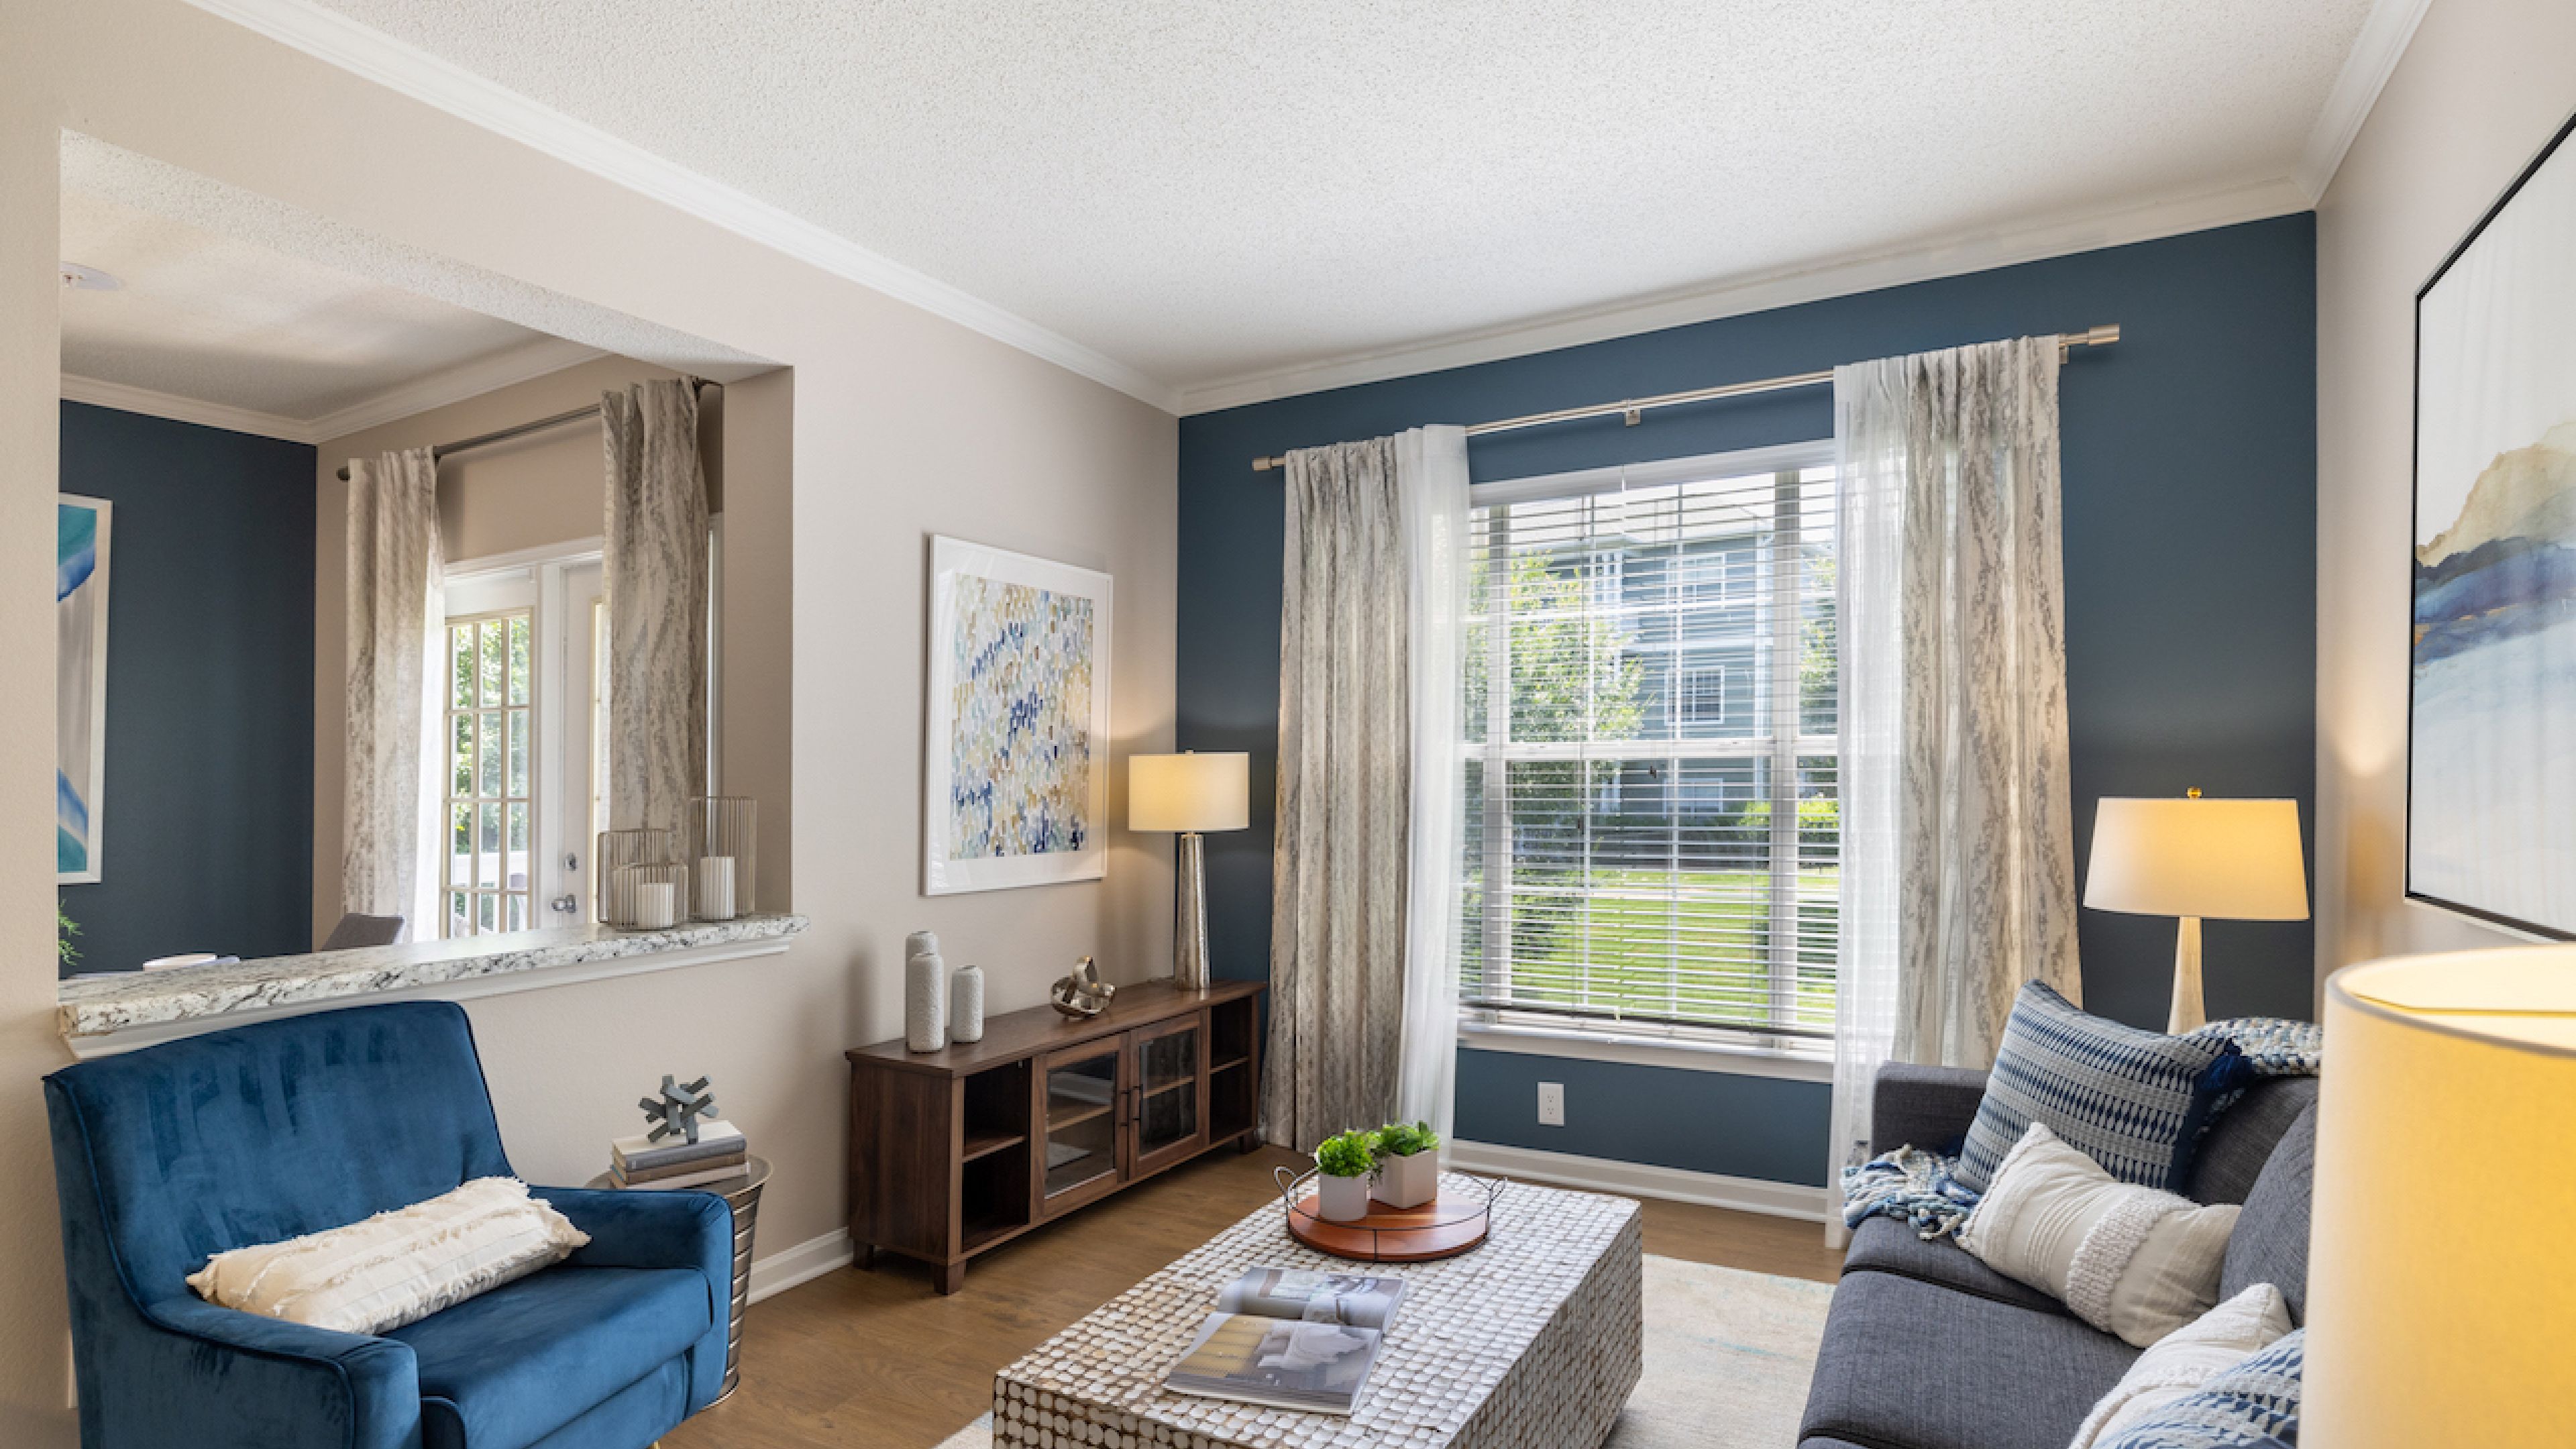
column 655, row 571
column 1431, row 479
column 1958, row 877
column 1365, row 866
column 396, row 614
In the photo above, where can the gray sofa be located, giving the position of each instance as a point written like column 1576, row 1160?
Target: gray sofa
column 1927, row 1348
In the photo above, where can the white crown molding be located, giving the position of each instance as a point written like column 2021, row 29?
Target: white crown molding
column 144, row 400
column 2385, row 33
column 338, row 40
column 1638, row 1179
column 456, row 384
column 2030, row 241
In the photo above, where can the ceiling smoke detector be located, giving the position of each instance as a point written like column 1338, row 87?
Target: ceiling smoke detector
column 87, row 279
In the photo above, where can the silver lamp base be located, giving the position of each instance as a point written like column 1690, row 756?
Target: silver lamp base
column 1189, row 914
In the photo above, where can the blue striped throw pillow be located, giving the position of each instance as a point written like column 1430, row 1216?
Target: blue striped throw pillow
column 2134, row 1101
column 2254, row 1405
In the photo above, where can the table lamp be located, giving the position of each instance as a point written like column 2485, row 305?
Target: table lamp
column 1191, row 794
column 2227, row 860
column 2441, row 1282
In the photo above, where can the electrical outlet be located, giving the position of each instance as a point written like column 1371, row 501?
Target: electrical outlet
column 1551, row 1104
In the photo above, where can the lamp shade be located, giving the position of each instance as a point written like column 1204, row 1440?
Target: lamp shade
column 1189, row 792
column 2441, row 1277
column 2227, row 860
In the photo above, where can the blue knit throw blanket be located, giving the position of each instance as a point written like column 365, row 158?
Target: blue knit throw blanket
column 1918, row 1188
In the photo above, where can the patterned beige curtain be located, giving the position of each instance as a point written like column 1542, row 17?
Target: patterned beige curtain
column 395, row 618
column 1958, row 879
column 1337, row 932
column 655, row 573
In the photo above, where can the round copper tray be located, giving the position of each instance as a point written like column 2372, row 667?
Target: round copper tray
column 1452, row 1223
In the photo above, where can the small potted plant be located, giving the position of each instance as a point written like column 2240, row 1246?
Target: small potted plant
column 1408, row 1164
column 1344, row 1164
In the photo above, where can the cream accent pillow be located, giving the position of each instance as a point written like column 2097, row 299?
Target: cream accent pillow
column 2128, row 1260
column 2175, row 1366
column 396, row 1267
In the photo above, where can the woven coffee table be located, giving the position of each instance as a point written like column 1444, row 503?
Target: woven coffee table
column 1532, row 1341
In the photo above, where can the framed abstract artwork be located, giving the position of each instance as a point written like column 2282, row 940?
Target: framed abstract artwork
column 80, row 682
column 2491, row 742
column 1016, row 775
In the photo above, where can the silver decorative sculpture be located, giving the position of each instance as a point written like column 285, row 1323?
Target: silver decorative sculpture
column 677, row 1111
column 1082, row 994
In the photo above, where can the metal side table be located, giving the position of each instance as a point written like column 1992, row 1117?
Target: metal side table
column 743, row 1194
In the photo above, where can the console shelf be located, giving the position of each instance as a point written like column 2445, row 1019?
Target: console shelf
column 956, row 1152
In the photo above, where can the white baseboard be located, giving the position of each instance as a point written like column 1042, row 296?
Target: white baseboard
column 1636, row 1179
column 803, row 1263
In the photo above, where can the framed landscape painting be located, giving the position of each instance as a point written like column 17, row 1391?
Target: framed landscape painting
column 2491, row 748
column 1016, row 775
column 80, row 682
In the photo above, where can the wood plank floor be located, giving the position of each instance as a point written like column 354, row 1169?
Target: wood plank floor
column 876, row 1360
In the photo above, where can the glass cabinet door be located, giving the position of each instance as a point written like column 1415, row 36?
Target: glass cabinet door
column 1171, row 1092
column 1080, row 1095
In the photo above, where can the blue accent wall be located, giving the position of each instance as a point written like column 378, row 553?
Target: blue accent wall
column 1722, row 1122
column 2189, row 458
column 207, row 840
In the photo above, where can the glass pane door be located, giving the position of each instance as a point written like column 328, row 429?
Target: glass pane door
column 1081, row 1122
column 1170, row 1084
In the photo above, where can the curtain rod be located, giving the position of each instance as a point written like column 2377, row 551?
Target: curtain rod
column 439, row 453
column 2102, row 336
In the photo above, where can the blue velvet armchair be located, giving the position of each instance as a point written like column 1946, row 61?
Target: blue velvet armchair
column 166, row 1156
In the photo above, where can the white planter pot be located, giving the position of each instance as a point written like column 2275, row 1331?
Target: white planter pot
column 1341, row 1199
column 1405, row 1182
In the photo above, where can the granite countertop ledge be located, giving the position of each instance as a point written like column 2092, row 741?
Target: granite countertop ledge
column 99, row 1005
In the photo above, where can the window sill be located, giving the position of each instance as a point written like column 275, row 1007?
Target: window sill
column 103, row 1015
column 1738, row 1059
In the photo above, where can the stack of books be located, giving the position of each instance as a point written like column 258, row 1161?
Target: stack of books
column 642, row 1163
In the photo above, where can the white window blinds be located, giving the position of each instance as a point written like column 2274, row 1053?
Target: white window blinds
column 1652, row 836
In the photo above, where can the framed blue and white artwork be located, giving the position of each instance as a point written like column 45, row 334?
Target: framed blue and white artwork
column 80, row 683
column 2491, row 745
column 1016, row 757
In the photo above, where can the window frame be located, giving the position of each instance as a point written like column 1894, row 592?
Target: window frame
column 527, row 734
column 1779, row 740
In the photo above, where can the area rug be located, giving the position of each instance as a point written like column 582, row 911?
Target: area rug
column 1728, row 1354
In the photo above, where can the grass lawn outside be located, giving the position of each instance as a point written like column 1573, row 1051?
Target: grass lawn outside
column 1694, row 946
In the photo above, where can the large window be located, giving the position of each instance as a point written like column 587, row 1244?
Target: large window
column 1652, row 831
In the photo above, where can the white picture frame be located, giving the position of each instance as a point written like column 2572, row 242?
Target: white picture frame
column 82, row 530
column 1019, row 652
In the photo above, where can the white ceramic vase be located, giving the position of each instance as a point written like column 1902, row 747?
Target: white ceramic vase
column 1341, row 1199
column 925, row 1002
column 966, row 1004
column 1405, row 1182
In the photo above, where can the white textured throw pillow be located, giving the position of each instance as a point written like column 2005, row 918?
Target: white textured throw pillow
column 2129, row 1260
column 2176, row 1365
column 396, row 1267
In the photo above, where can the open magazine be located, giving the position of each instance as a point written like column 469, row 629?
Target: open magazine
column 1291, row 1340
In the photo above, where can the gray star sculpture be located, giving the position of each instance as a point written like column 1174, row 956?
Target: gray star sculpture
column 677, row 1112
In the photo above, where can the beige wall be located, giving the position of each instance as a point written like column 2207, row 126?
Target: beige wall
column 904, row 425
column 2479, row 92
column 546, row 489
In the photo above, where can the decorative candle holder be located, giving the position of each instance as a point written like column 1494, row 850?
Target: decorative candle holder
column 653, row 896
column 619, row 848
column 723, row 855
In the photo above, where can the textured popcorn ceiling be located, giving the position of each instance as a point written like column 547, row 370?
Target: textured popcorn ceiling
column 1206, row 190
column 239, row 300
